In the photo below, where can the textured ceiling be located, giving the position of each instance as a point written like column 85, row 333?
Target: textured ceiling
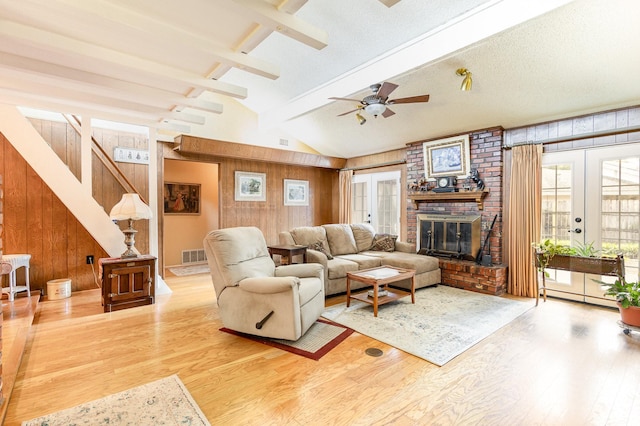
column 184, row 66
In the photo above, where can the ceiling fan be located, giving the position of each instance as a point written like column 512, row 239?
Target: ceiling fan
column 377, row 103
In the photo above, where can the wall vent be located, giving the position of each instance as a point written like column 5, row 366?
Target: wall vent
column 284, row 142
column 193, row 256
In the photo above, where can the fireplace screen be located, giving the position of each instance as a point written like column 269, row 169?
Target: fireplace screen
column 451, row 235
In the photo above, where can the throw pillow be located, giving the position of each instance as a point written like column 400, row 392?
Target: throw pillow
column 384, row 242
column 320, row 247
column 363, row 234
column 340, row 238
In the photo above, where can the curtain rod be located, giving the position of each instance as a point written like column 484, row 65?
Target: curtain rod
column 375, row 166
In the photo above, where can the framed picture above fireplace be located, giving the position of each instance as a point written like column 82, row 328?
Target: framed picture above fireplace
column 447, row 157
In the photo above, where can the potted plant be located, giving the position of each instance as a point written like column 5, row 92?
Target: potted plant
column 582, row 258
column 627, row 295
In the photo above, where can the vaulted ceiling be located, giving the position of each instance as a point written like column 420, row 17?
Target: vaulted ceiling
column 180, row 66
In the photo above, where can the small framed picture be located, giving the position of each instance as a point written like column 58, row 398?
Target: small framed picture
column 251, row 186
column 296, row 192
column 181, row 198
column 447, row 157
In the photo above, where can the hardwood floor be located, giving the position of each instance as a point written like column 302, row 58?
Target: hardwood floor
column 561, row 363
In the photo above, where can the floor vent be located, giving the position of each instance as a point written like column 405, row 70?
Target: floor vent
column 193, row 256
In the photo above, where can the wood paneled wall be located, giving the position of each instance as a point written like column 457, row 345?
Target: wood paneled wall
column 106, row 190
column 272, row 216
column 37, row 222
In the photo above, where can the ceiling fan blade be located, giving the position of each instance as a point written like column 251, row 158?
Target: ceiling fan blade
column 346, row 99
column 386, row 89
column 411, row 99
column 349, row 112
column 387, row 113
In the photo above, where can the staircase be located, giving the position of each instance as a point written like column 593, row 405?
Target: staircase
column 35, row 150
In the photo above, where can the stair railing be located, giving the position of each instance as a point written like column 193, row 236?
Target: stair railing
column 105, row 159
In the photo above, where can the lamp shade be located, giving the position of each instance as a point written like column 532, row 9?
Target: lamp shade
column 130, row 207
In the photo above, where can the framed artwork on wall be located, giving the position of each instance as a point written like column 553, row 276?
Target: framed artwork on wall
column 181, row 198
column 130, row 155
column 447, row 157
column 250, row 186
column 296, row 192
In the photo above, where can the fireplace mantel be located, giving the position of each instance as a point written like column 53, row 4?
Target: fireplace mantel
column 449, row 197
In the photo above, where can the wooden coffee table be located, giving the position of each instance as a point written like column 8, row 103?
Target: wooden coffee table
column 377, row 277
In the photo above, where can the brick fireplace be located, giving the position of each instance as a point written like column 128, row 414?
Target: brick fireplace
column 485, row 150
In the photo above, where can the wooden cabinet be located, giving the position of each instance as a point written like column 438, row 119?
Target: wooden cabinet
column 127, row 282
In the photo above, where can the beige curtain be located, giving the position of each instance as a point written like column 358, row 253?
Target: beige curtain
column 345, row 196
column 525, row 207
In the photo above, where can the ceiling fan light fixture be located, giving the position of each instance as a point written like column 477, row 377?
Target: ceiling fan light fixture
column 375, row 109
column 361, row 119
column 467, row 81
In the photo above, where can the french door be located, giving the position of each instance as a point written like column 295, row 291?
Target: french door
column 376, row 200
column 592, row 197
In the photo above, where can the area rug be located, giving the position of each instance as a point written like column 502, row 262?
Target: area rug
column 443, row 323
column 184, row 270
column 163, row 402
column 321, row 337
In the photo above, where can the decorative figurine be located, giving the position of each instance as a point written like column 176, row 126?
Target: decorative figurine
column 475, row 176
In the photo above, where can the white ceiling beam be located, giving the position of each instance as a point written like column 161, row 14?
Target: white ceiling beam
column 462, row 32
column 183, row 116
column 94, row 58
column 72, row 79
column 71, row 102
column 254, row 37
column 33, row 88
column 291, row 6
column 27, row 100
column 284, row 23
column 201, row 105
column 257, row 35
column 167, row 34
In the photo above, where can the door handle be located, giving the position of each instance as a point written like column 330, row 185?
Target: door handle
column 577, row 230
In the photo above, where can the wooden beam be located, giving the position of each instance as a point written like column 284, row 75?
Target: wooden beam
column 96, row 59
column 286, row 24
column 217, row 148
column 33, row 71
column 169, row 34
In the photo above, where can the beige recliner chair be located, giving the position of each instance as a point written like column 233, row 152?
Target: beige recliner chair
column 255, row 296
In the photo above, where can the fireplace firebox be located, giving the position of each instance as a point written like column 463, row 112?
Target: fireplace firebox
column 449, row 235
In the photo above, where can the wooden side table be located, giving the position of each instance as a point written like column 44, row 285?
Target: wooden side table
column 286, row 253
column 127, row 282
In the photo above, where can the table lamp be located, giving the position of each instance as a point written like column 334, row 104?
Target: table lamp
column 130, row 208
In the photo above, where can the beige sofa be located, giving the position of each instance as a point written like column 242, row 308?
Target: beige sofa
column 343, row 248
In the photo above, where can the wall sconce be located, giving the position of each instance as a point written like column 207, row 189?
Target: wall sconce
column 466, row 82
column 130, row 208
column 361, row 119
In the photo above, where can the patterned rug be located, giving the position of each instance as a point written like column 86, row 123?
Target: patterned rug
column 443, row 323
column 181, row 271
column 163, row 402
column 321, row 337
